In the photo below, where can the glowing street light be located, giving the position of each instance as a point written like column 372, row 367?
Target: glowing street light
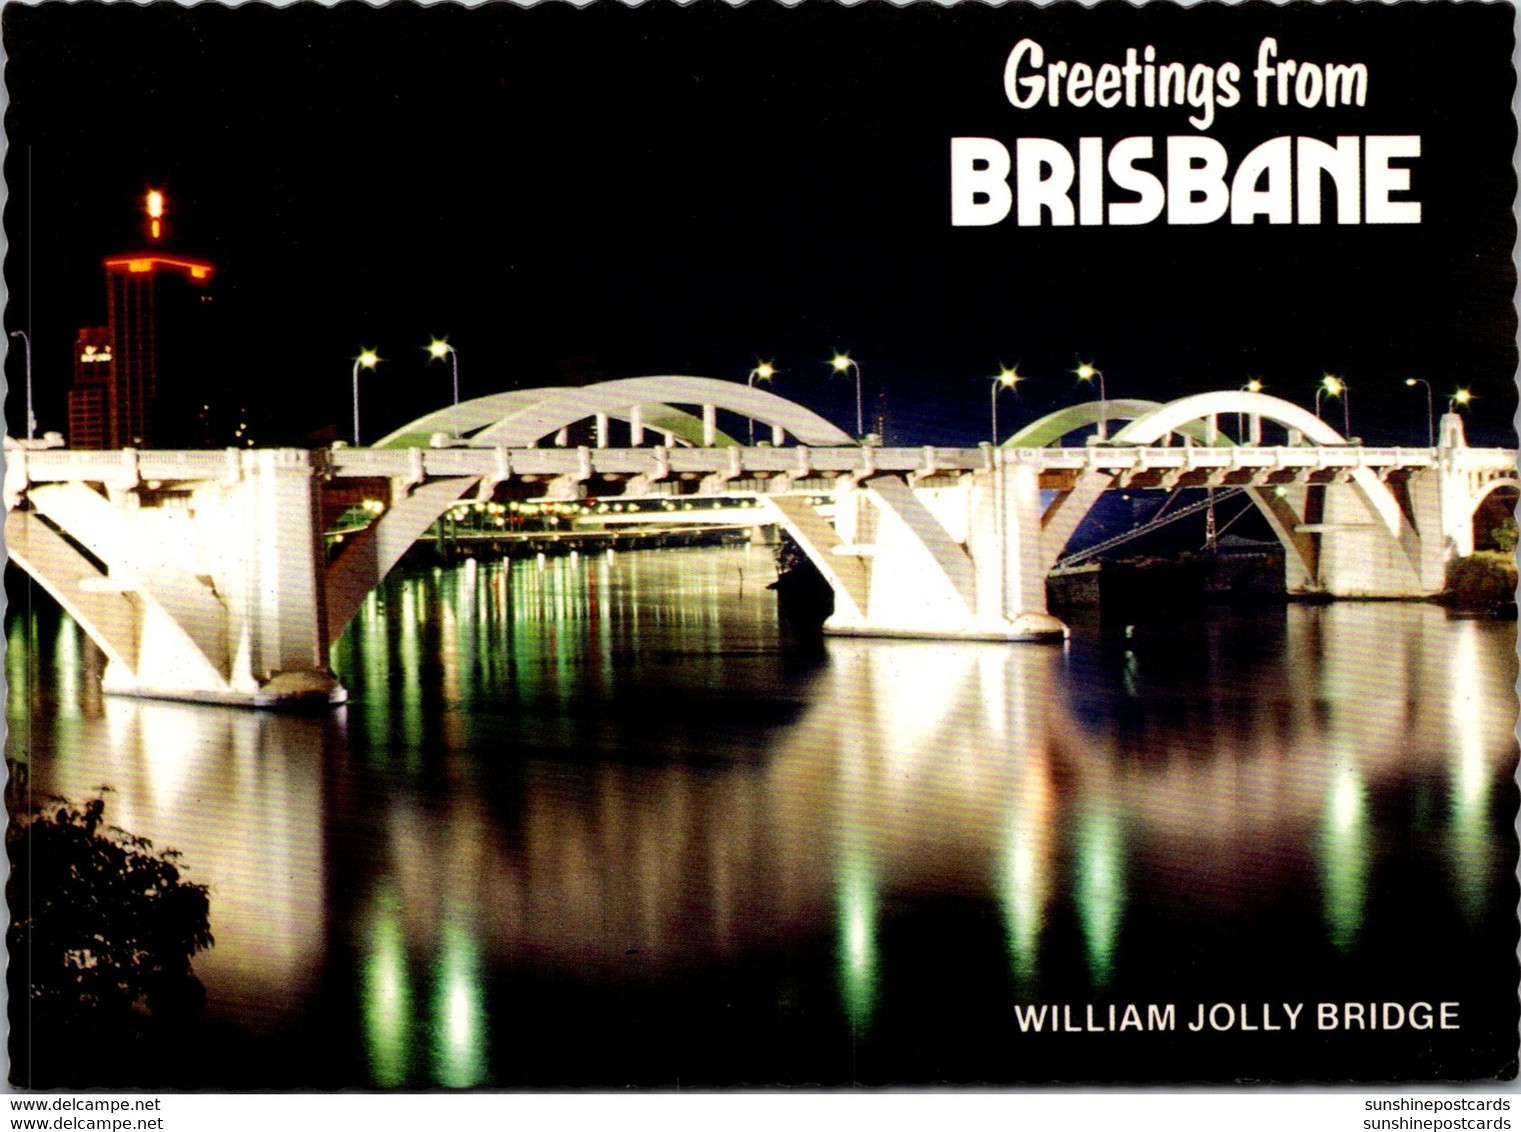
column 1334, row 386
column 1086, row 372
column 1006, row 379
column 1430, row 423
column 763, row 371
column 1461, row 397
column 841, row 363
column 437, row 350
column 368, row 359
column 31, row 418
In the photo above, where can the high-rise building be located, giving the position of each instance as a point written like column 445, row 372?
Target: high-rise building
column 89, row 395
column 136, row 378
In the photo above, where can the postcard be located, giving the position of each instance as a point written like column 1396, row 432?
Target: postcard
column 760, row 546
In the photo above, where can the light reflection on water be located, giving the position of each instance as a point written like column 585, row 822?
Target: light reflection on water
column 611, row 771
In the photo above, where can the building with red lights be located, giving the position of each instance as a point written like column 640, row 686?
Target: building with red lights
column 137, row 379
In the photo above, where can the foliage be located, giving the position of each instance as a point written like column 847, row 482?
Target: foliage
column 1505, row 535
column 1482, row 580
column 102, row 928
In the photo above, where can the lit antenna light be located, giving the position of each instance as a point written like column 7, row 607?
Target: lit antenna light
column 155, row 214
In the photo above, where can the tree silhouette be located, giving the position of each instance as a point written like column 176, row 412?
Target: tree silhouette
column 101, row 935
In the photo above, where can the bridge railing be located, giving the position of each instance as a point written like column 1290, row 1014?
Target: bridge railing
column 130, row 466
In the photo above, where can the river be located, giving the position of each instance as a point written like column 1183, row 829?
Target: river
column 598, row 821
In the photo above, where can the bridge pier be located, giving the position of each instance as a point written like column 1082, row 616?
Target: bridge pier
column 959, row 562
column 1369, row 537
column 210, row 590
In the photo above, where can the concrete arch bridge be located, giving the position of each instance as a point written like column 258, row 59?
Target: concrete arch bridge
column 203, row 574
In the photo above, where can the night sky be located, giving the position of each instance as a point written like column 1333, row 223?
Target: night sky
column 613, row 192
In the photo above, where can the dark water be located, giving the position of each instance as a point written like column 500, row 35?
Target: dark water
column 595, row 822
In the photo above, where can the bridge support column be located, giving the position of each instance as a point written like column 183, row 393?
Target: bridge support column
column 1347, row 548
column 278, row 613
column 1456, row 491
column 960, row 563
column 209, row 592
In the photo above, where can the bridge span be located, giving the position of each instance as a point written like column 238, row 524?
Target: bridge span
column 203, row 575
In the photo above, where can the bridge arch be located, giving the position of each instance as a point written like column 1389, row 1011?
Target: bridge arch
column 1176, row 415
column 1494, row 485
column 1052, row 427
column 1488, row 513
column 523, row 419
column 654, row 395
column 481, row 413
column 1152, row 422
column 471, row 416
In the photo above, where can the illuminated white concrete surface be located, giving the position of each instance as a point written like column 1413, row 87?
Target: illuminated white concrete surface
column 204, row 575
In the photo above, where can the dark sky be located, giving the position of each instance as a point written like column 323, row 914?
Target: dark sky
column 665, row 190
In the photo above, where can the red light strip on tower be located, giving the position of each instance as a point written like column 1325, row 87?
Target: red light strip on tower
column 141, row 264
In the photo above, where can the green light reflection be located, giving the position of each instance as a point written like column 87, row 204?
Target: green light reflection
column 1100, row 887
column 386, row 993
column 857, row 946
column 1469, row 839
column 409, row 713
column 459, row 1016
column 1345, row 849
column 17, row 673
column 1023, row 910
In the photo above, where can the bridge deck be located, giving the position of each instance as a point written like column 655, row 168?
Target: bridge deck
column 764, row 469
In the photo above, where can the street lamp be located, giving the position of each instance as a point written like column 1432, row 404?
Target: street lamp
column 1006, row 379
column 763, row 371
column 1430, row 423
column 31, row 418
column 437, row 349
column 368, row 359
column 841, row 363
column 1336, row 387
column 1086, row 372
column 1461, row 397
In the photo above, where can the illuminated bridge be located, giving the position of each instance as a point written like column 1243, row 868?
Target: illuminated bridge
column 203, row 574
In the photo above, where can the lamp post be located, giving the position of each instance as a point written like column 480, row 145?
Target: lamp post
column 1336, row 387
column 437, row 349
column 368, row 359
column 1086, row 372
column 1430, row 419
column 1006, row 379
column 763, row 371
column 1461, row 397
column 841, row 363
column 31, row 418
